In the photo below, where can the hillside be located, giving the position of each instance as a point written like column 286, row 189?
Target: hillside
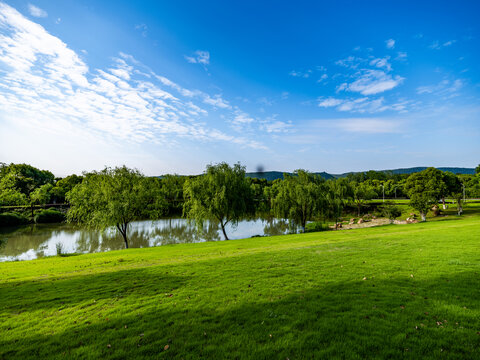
column 273, row 175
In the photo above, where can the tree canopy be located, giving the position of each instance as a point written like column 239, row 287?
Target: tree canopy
column 221, row 194
column 425, row 188
column 298, row 197
column 114, row 197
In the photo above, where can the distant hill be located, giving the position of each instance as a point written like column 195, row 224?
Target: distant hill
column 273, row 175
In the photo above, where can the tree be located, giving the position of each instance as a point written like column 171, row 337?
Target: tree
column 339, row 194
column 27, row 177
column 298, row 197
column 114, row 197
column 9, row 193
column 425, row 189
column 361, row 193
column 477, row 169
column 63, row 186
column 221, row 194
column 41, row 195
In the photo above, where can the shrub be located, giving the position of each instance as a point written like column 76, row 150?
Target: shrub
column 390, row 211
column 12, row 219
column 49, row 216
column 59, row 247
column 316, row 226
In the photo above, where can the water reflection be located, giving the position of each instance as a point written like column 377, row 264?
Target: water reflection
column 36, row 241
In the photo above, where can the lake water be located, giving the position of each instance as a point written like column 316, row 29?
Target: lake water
column 36, row 241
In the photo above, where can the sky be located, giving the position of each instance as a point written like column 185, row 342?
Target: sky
column 171, row 86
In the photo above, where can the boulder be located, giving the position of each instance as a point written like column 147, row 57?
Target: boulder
column 360, row 221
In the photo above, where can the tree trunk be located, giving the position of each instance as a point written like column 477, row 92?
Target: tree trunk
column 122, row 228
column 223, row 230
column 459, row 208
column 443, row 202
column 424, row 216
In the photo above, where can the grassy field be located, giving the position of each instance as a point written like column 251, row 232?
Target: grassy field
column 396, row 291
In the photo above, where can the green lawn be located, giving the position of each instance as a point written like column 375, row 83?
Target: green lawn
column 397, row 291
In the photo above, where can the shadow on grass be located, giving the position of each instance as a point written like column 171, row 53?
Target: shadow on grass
column 397, row 318
column 64, row 292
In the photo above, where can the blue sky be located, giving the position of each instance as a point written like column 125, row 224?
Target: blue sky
column 168, row 87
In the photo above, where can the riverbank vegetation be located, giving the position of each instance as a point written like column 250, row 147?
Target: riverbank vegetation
column 115, row 197
column 386, row 292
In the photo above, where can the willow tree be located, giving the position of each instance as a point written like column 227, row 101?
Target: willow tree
column 299, row 197
column 221, row 194
column 114, row 197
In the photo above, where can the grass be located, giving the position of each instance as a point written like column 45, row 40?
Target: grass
column 396, row 291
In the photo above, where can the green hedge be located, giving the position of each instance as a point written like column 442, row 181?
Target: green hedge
column 12, row 219
column 49, row 216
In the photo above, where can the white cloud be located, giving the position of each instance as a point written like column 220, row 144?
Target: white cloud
column 390, row 43
column 142, row 28
column 436, row 45
column 360, row 105
column 302, row 74
column 274, row 126
column 401, row 56
column 443, row 88
column 200, row 57
column 323, row 78
column 330, row 102
column 216, row 101
column 44, row 85
column 368, row 125
column 36, row 11
column 381, row 63
column 369, row 82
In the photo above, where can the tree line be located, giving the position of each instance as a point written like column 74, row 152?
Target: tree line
column 118, row 196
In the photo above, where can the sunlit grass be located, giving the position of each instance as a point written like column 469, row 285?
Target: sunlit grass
column 396, row 291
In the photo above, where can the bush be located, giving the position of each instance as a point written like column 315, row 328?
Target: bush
column 12, row 219
column 316, row 226
column 59, row 247
column 49, row 216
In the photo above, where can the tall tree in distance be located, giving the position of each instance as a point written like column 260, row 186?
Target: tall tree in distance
column 221, row 194
column 114, row 197
column 298, row 197
column 425, row 188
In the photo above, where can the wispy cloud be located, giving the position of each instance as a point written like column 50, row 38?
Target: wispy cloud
column 36, row 11
column 303, row 74
column 437, row 45
column 445, row 88
column 390, row 43
column 369, row 82
column 199, row 57
column 46, row 85
column 363, row 105
column 382, row 63
column 368, row 125
column 142, row 28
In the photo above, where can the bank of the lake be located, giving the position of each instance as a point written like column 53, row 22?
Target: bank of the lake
column 386, row 292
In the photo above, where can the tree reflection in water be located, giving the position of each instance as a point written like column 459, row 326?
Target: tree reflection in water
column 35, row 241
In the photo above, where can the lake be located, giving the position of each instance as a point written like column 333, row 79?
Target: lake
column 35, row 241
